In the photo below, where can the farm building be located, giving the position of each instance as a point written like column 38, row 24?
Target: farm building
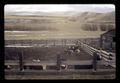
column 107, row 40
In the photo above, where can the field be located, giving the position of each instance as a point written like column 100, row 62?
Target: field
column 26, row 27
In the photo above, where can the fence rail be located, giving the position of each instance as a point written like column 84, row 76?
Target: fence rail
column 109, row 58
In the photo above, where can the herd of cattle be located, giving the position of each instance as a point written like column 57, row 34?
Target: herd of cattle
column 72, row 50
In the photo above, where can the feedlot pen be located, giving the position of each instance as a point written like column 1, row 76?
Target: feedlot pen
column 35, row 58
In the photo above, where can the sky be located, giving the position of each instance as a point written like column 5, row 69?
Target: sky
column 59, row 7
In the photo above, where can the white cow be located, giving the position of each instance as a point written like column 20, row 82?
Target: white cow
column 77, row 50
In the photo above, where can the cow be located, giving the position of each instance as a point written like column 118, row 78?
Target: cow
column 77, row 50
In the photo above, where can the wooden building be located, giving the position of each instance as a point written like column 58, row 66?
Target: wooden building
column 107, row 41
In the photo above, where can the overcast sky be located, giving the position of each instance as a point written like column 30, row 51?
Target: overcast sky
column 59, row 7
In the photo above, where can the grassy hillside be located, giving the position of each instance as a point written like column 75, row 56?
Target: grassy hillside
column 57, row 27
column 96, row 17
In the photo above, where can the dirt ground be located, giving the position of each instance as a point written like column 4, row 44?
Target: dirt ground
column 45, row 53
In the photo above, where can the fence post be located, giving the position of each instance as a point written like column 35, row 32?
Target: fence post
column 58, row 61
column 20, row 60
column 95, row 56
column 54, row 42
column 65, row 42
column 46, row 42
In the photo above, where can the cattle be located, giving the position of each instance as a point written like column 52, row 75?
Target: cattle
column 8, row 67
column 72, row 49
column 63, row 66
column 68, row 52
column 77, row 50
column 36, row 60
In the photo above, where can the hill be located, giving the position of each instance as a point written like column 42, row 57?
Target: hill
column 95, row 17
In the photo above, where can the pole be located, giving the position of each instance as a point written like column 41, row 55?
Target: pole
column 95, row 61
column 20, row 54
column 65, row 42
column 54, row 42
column 58, row 62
